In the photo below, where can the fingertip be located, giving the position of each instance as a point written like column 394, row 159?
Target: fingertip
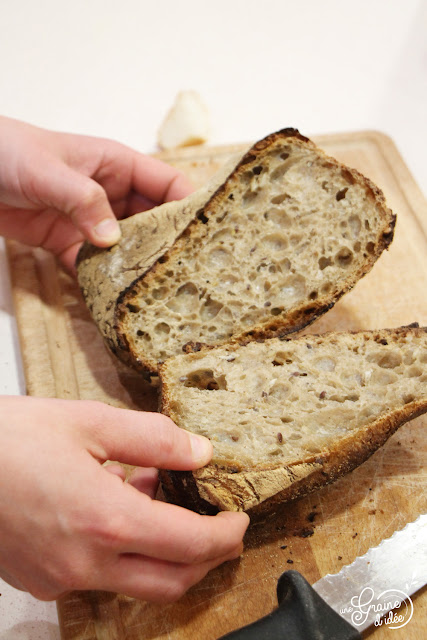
column 107, row 232
column 179, row 188
column 201, row 449
column 236, row 516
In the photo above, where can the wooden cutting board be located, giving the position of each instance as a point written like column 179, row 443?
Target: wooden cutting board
column 65, row 357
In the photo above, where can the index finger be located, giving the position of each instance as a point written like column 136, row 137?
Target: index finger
column 172, row 533
column 159, row 181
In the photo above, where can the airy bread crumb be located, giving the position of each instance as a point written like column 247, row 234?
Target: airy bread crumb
column 277, row 412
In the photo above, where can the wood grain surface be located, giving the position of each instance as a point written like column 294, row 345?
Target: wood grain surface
column 65, row 357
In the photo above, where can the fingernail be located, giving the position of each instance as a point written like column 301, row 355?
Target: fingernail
column 201, row 449
column 108, row 229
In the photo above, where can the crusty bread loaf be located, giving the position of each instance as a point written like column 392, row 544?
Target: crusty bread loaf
column 287, row 416
column 260, row 253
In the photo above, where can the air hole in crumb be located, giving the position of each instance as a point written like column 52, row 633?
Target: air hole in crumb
column 370, row 247
column 389, row 360
column 278, row 217
column 341, row 194
column 160, row 293
column 285, row 264
column 257, row 170
column 133, row 308
column 202, row 216
column 326, row 287
column 226, row 279
column 408, row 397
column 219, row 257
column 162, row 327
column 281, row 357
column 275, row 242
column 415, row 372
column 355, row 225
column 249, row 198
column 222, row 235
column 313, row 295
column 279, row 391
column 210, row 309
column 324, row 262
column 295, row 239
column 186, row 299
column 293, row 288
column 280, row 171
column 144, row 335
column 280, row 198
column 205, row 379
column 325, row 364
column 284, row 155
column 344, row 257
column 276, row 311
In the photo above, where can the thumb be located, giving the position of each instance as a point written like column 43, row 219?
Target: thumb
column 83, row 200
column 141, row 438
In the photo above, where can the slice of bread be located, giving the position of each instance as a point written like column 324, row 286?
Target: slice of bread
column 286, row 416
column 263, row 250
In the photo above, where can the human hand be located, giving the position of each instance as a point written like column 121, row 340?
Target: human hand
column 67, row 522
column 57, row 189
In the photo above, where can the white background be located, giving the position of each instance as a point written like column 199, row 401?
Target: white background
column 110, row 68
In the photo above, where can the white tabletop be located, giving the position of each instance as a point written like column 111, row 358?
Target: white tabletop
column 113, row 68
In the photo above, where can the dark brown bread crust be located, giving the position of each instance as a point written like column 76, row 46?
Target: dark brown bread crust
column 277, row 326
column 183, row 487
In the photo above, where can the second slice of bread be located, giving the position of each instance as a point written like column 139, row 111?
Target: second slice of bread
column 268, row 247
column 288, row 416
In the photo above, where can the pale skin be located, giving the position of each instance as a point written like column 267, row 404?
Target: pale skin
column 67, row 521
